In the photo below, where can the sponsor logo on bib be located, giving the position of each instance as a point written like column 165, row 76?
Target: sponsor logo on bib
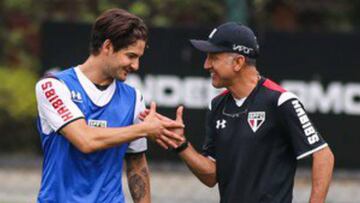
column 97, row 123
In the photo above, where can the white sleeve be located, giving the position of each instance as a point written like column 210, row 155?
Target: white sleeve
column 138, row 145
column 56, row 109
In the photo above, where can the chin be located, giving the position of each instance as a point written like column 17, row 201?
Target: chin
column 217, row 85
column 120, row 77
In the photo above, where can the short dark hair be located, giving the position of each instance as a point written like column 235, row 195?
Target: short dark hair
column 250, row 61
column 120, row 27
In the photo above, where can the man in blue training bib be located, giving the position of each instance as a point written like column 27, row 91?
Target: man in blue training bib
column 88, row 120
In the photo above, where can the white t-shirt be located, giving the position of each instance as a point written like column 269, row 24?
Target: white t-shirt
column 56, row 105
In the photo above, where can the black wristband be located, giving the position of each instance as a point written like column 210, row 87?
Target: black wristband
column 181, row 147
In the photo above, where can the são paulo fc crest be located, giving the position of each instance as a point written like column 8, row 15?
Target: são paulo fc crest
column 256, row 119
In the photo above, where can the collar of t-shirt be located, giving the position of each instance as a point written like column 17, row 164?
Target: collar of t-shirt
column 239, row 102
column 101, row 87
column 98, row 97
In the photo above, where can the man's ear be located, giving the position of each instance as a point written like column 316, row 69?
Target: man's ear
column 239, row 62
column 107, row 47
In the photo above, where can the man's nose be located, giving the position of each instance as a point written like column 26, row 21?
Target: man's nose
column 135, row 65
column 207, row 63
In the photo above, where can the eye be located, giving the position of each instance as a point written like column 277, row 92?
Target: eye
column 132, row 55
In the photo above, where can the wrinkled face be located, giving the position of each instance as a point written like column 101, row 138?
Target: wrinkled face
column 119, row 64
column 221, row 68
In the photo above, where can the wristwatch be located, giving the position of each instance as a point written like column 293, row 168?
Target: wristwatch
column 181, row 147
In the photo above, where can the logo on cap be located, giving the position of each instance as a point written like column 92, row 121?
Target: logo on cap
column 241, row 48
column 212, row 33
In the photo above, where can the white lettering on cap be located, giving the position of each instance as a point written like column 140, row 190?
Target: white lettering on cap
column 241, row 48
column 212, row 33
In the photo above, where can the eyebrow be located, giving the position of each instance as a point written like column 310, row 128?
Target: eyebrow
column 133, row 54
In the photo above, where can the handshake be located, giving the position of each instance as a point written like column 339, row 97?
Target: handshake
column 166, row 132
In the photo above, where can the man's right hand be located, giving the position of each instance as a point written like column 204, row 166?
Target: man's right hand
column 158, row 129
column 178, row 131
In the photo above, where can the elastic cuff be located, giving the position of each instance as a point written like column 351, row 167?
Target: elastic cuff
column 311, row 151
column 67, row 123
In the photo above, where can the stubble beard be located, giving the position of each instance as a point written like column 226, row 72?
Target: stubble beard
column 118, row 73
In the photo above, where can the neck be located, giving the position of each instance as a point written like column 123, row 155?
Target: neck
column 93, row 69
column 244, row 83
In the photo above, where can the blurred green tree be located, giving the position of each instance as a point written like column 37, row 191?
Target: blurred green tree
column 17, row 110
column 17, row 93
column 305, row 15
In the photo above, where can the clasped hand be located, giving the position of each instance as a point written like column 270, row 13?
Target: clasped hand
column 166, row 132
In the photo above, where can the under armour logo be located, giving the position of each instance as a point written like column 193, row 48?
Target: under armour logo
column 220, row 124
column 76, row 96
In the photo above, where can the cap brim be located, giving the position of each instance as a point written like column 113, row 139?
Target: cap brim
column 206, row 46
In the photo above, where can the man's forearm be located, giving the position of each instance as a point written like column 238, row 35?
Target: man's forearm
column 323, row 163
column 138, row 177
column 202, row 167
column 88, row 139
